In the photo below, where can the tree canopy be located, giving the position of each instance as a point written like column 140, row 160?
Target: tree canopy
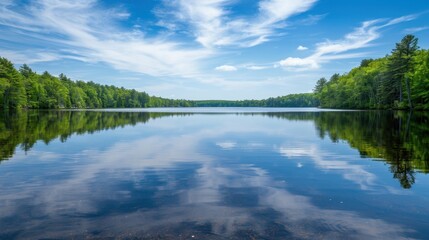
column 380, row 83
column 27, row 89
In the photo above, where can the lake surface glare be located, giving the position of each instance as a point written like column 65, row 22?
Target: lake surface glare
column 214, row 174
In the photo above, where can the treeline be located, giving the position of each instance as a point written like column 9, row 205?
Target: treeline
column 398, row 81
column 291, row 100
column 24, row 88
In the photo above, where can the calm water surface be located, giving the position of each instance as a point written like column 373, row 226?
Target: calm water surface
column 214, row 174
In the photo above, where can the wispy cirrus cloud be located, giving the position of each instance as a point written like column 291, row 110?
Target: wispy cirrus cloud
column 85, row 31
column 329, row 50
column 88, row 32
column 311, row 19
column 213, row 26
column 23, row 57
column 416, row 29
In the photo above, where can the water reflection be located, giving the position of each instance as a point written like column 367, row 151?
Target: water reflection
column 263, row 176
column 25, row 128
column 399, row 138
column 333, row 162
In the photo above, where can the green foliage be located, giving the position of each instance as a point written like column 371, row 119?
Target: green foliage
column 12, row 90
column 380, row 83
column 319, row 86
column 27, row 89
column 291, row 100
column 419, row 80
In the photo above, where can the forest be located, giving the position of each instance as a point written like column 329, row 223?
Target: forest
column 291, row 100
column 24, row 88
column 397, row 81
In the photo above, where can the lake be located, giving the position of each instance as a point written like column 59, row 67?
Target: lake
column 214, row 174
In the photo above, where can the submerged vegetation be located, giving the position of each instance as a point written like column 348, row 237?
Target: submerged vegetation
column 398, row 81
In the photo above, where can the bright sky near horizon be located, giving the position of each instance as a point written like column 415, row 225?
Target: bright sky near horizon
column 206, row 49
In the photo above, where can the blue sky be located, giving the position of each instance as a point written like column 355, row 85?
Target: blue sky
column 206, row 49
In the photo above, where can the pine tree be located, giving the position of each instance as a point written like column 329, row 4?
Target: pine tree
column 401, row 62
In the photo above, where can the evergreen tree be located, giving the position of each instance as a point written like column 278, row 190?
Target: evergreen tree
column 379, row 83
column 400, row 63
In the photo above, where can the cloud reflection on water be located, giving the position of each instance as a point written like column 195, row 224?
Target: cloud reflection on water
column 331, row 162
column 113, row 193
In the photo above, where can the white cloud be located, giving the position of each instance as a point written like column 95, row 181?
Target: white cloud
column 277, row 10
column 293, row 152
column 83, row 30
column 226, row 145
column 359, row 38
column 416, row 29
column 328, row 50
column 311, row 19
column 226, row 68
column 301, row 48
column 255, row 67
column 88, row 32
column 352, row 172
column 307, row 63
column 406, row 18
column 213, row 26
column 23, row 56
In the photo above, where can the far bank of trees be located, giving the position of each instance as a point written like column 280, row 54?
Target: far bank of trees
column 24, row 88
column 27, row 89
column 398, row 81
column 291, row 100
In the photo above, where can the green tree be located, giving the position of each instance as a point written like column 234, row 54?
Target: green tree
column 11, row 86
column 320, row 84
column 419, row 79
column 400, row 63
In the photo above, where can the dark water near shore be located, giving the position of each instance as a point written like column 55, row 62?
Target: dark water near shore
column 224, row 174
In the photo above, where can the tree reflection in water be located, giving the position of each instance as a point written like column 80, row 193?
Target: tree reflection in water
column 398, row 138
